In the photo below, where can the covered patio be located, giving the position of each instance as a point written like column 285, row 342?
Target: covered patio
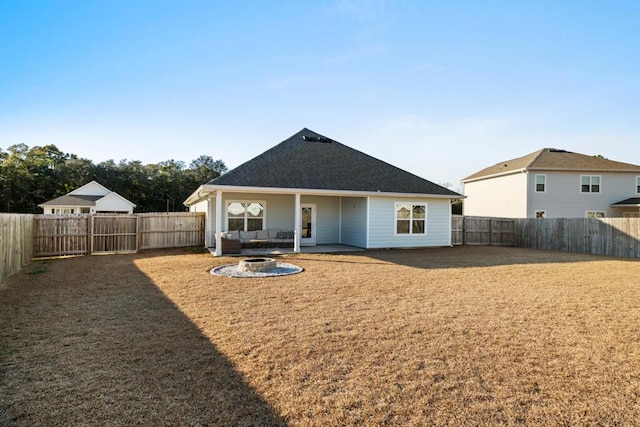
column 318, row 249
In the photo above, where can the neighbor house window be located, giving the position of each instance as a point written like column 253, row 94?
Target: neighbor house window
column 411, row 218
column 85, row 210
column 541, row 214
column 589, row 184
column 245, row 216
column 594, row 214
column 637, row 184
column 541, row 183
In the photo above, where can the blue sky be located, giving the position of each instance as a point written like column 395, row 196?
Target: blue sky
column 439, row 88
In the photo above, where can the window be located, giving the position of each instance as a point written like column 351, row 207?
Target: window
column 541, row 214
column 245, row 216
column 637, row 184
column 589, row 184
column 62, row 211
column 541, row 183
column 594, row 214
column 85, row 210
column 411, row 218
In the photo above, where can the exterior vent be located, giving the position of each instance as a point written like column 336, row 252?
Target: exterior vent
column 316, row 139
column 555, row 150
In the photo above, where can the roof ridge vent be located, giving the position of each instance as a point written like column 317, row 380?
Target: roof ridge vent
column 312, row 138
column 557, row 150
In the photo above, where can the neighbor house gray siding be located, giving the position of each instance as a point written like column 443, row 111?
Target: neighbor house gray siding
column 382, row 226
column 563, row 199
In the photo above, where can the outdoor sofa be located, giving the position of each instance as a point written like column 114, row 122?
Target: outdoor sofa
column 233, row 241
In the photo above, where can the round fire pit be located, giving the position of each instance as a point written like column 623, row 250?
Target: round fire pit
column 253, row 265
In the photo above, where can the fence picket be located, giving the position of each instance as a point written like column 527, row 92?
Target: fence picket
column 56, row 235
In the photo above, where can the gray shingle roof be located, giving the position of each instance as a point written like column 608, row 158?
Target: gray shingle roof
column 634, row 201
column 74, row 200
column 554, row 159
column 308, row 160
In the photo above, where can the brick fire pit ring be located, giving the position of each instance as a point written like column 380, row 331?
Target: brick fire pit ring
column 256, row 267
column 253, row 265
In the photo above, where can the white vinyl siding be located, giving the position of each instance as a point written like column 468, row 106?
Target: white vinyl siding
column 504, row 196
column 113, row 203
column 382, row 226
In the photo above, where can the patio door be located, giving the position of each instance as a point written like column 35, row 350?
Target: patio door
column 308, row 214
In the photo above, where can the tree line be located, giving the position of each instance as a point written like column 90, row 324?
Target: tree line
column 30, row 176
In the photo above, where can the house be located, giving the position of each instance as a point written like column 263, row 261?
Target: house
column 90, row 198
column 327, row 193
column 554, row 183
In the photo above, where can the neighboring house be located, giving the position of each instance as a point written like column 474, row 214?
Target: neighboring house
column 90, row 198
column 327, row 193
column 554, row 183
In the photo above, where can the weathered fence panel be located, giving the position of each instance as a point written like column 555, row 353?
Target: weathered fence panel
column 600, row 236
column 158, row 230
column 488, row 231
column 16, row 243
column 114, row 234
column 457, row 230
column 58, row 235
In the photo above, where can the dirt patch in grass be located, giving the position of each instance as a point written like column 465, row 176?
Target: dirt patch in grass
column 451, row 336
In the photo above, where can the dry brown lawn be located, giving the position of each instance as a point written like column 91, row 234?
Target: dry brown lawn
column 450, row 336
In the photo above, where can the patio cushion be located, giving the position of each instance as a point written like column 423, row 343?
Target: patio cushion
column 247, row 235
column 262, row 235
column 285, row 235
column 233, row 235
column 273, row 234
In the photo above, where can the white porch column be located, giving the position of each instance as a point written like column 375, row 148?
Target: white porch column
column 218, row 222
column 297, row 226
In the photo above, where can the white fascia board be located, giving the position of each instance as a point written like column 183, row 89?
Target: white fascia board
column 198, row 195
column 204, row 190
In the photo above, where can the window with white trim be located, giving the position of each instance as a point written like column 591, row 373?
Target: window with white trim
column 637, row 184
column 595, row 214
column 245, row 215
column 541, row 183
column 541, row 214
column 62, row 211
column 589, row 184
column 411, row 218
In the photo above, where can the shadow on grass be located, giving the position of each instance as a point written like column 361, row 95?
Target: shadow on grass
column 89, row 342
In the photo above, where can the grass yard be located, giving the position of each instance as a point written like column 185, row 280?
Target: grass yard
column 450, row 336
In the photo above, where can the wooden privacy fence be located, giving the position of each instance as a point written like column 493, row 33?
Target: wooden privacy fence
column 57, row 235
column 600, row 236
column 471, row 230
column 16, row 243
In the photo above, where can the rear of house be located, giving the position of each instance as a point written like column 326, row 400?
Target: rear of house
column 326, row 193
